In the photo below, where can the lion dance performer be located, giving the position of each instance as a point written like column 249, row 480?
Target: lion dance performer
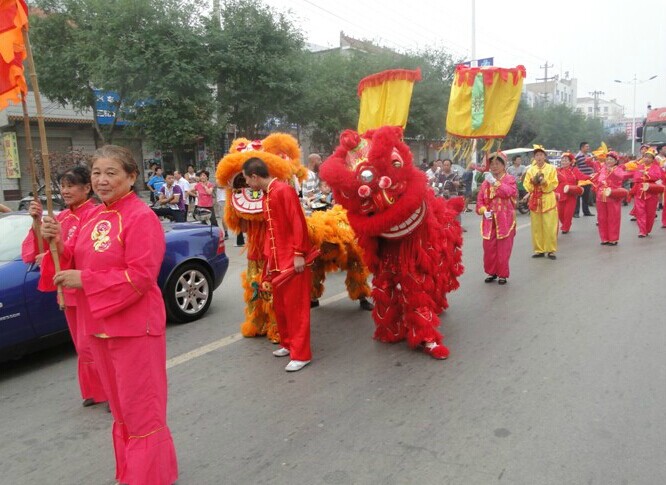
column 328, row 230
column 411, row 240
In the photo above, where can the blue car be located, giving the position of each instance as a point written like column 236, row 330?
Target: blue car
column 194, row 265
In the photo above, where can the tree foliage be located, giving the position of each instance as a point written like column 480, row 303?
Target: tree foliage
column 147, row 52
column 553, row 126
column 255, row 58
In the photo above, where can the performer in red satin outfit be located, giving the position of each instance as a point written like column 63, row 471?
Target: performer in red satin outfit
column 496, row 202
column 120, row 250
column 286, row 246
column 645, row 203
column 75, row 191
column 607, row 182
column 567, row 174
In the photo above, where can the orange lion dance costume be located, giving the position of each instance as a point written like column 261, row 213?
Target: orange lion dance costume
column 411, row 240
column 330, row 230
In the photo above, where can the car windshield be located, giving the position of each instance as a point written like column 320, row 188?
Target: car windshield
column 14, row 228
column 654, row 134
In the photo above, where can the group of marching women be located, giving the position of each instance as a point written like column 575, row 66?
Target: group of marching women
column 553, row 193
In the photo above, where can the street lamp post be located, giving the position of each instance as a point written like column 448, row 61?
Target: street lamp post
column 635, row 82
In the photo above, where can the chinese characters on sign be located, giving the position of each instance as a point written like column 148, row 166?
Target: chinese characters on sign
column 12, row 163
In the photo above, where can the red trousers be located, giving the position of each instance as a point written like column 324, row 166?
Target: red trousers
column 566, row 207
column 497, row 252
column 133, row 371
column 645, row 210
column 291, row 302
column 89, row 382
column 609, row 216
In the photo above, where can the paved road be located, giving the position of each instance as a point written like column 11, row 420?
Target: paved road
column 558, row 377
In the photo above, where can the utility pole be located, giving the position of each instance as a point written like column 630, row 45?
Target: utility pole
column 545, row 80
column 595, row 95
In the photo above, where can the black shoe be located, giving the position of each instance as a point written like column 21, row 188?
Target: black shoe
column 366, row 305
column 611, row 243
column 642, row 235
column 538, row 255
column 314, row 303
column 88, row 402
column 576, row 216
column 632, row 219
column 565, row 232
column 588, row 215
column 501, row 281
column 552, row 256
column 605, row 243
column 490, row 279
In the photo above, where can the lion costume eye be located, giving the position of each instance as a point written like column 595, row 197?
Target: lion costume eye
column 397, row 163
column 367, row 176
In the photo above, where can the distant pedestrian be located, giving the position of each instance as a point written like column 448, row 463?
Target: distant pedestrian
column 185, row 187
column 468, row 182
column 171, row 200
column 155, row 184
column 221, row 200
column 204, row 191
column 585, row 169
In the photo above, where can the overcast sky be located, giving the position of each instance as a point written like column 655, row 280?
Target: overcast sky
column 596, row 42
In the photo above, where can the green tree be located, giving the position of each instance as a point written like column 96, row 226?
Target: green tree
column 148, row 52
column 255, row 58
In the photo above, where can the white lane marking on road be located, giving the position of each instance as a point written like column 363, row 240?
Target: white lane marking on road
column 230, row 339
column 203, row 350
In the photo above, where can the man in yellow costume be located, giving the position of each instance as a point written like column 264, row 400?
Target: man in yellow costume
column 541, row 181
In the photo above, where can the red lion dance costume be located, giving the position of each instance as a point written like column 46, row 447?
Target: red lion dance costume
column 411, row 240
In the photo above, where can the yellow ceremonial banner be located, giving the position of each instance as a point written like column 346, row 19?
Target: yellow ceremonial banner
column 385, row 98
column 12, row 163
column 483, row 103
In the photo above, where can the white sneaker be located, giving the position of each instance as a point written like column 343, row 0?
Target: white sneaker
column 281, row 352
column 296, row 365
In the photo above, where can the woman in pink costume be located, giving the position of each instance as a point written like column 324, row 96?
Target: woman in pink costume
column 608, row 185
column 645, row 201
column 119, row 252
column 496, row 202
column 568, row 177
column 75, row 191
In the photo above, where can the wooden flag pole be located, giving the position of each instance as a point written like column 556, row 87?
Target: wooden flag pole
column 36, row 223
column 45, row 155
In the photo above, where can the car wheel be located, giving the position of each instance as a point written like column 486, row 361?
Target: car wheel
column 188, row 293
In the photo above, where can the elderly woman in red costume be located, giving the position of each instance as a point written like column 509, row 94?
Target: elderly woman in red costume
column 75, row 191
column 567, row 190
column 120, row 251
column 496, row 202
column 648, row 178
column 608, row 185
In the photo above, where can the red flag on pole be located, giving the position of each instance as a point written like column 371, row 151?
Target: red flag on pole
column 13, row 19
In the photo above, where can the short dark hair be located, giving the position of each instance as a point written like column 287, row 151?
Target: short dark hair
column 582, row 144
column 448, row 160
column 79, row 175
column 255, row 166
column 168, row 172
column 516, row 157
column 206, row 172
column 660, row 146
